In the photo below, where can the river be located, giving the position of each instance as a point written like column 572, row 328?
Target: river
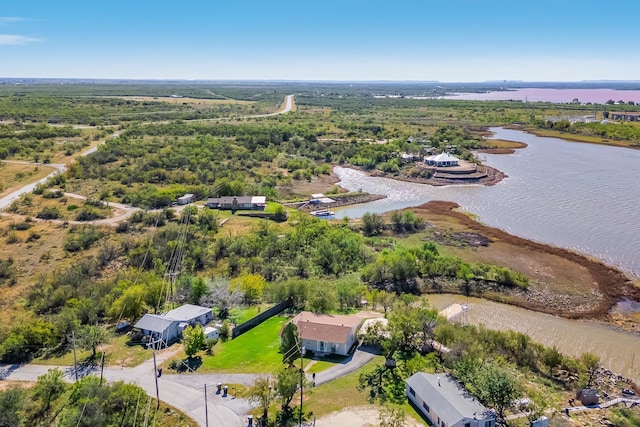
column 595, row 96
column 573, row 195
column 618, row 351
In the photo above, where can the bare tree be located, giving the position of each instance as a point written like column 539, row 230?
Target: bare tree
column 222, row 296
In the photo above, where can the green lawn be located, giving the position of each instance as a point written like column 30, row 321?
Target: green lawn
column 239, row 315
column 324, row 362
column 255, row 351
column 319, row 366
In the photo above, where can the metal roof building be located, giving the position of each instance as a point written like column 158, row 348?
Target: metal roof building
column 446, row 403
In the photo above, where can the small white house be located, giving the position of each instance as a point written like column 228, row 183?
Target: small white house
column 442, row 160
column 186, row 199
column 325, row 334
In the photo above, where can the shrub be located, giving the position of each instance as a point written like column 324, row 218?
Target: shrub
column 122, row 227
column 13, row 237
column 33, row 236
column 72, row 207
column 209, row 344
column 21, row 226
column 89, row 214
column 225, row 332
column 49, row 213
column 52, row 194
column 82, row 237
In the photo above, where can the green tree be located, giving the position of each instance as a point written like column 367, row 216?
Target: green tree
column 323, row 300
column 251, row 285
column 193, row 340
column 372, row 224
column 552, row 358
column 90, row 337
column 197, row 290
column 590, row 364
column 262, row 393
column 287, row 382
column 12, row 402
column 498, row 387
column 130, row 305
column 48, row 388
column 289, row 343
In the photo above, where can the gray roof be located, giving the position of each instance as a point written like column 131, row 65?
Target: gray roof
column 154, row 323
column 451, row 401
column 186, row 312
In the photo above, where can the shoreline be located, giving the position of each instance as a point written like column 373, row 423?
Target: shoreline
column 493, row 176
column 613, row 284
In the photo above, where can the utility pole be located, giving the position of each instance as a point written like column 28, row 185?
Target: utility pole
column 102, row 368
column 301, row 383
column 155, row 372
column 75, row 362
column 206, row 408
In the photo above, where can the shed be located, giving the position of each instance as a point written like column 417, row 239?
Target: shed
column 186, row 199
column 587, row 396
column 211, row 332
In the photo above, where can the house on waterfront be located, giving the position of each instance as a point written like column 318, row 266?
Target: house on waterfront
column 327, row 334
column 442, row 160
column 168, row 327
column 633, row 117
column 186, row 199
column 446, row 403
column 235, row 203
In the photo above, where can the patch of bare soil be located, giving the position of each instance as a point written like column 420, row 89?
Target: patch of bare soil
column 567, row 283
column 319, row 184
column 365, row 416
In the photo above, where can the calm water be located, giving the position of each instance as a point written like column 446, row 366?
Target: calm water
column 584, row 197
column 618, row 351
column 597, row 96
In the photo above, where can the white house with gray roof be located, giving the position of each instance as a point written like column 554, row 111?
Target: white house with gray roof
column 446, row 403
column 169, row 326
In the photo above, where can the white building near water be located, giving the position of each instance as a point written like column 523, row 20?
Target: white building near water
column 446, row 403
column 442, row 160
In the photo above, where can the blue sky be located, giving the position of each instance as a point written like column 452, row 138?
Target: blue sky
column 445, row 40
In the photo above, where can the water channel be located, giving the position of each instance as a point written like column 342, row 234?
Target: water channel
column 573, row 195
column 578, row 196
column 618, row 351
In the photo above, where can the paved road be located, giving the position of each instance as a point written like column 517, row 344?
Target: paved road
column 186, row 391
column 358, row 359
column 60, row 168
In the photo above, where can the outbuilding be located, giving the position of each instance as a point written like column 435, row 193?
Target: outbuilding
column 446, row 403
column 186, row 199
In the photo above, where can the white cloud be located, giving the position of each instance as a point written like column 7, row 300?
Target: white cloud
column 4, row 20
column 16, row 39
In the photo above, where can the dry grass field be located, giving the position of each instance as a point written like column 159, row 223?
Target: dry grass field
column 16, row 175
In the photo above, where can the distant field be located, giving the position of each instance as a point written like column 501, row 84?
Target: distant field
column 170, row 100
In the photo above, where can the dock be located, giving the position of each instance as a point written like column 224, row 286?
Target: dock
column 454, row 311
